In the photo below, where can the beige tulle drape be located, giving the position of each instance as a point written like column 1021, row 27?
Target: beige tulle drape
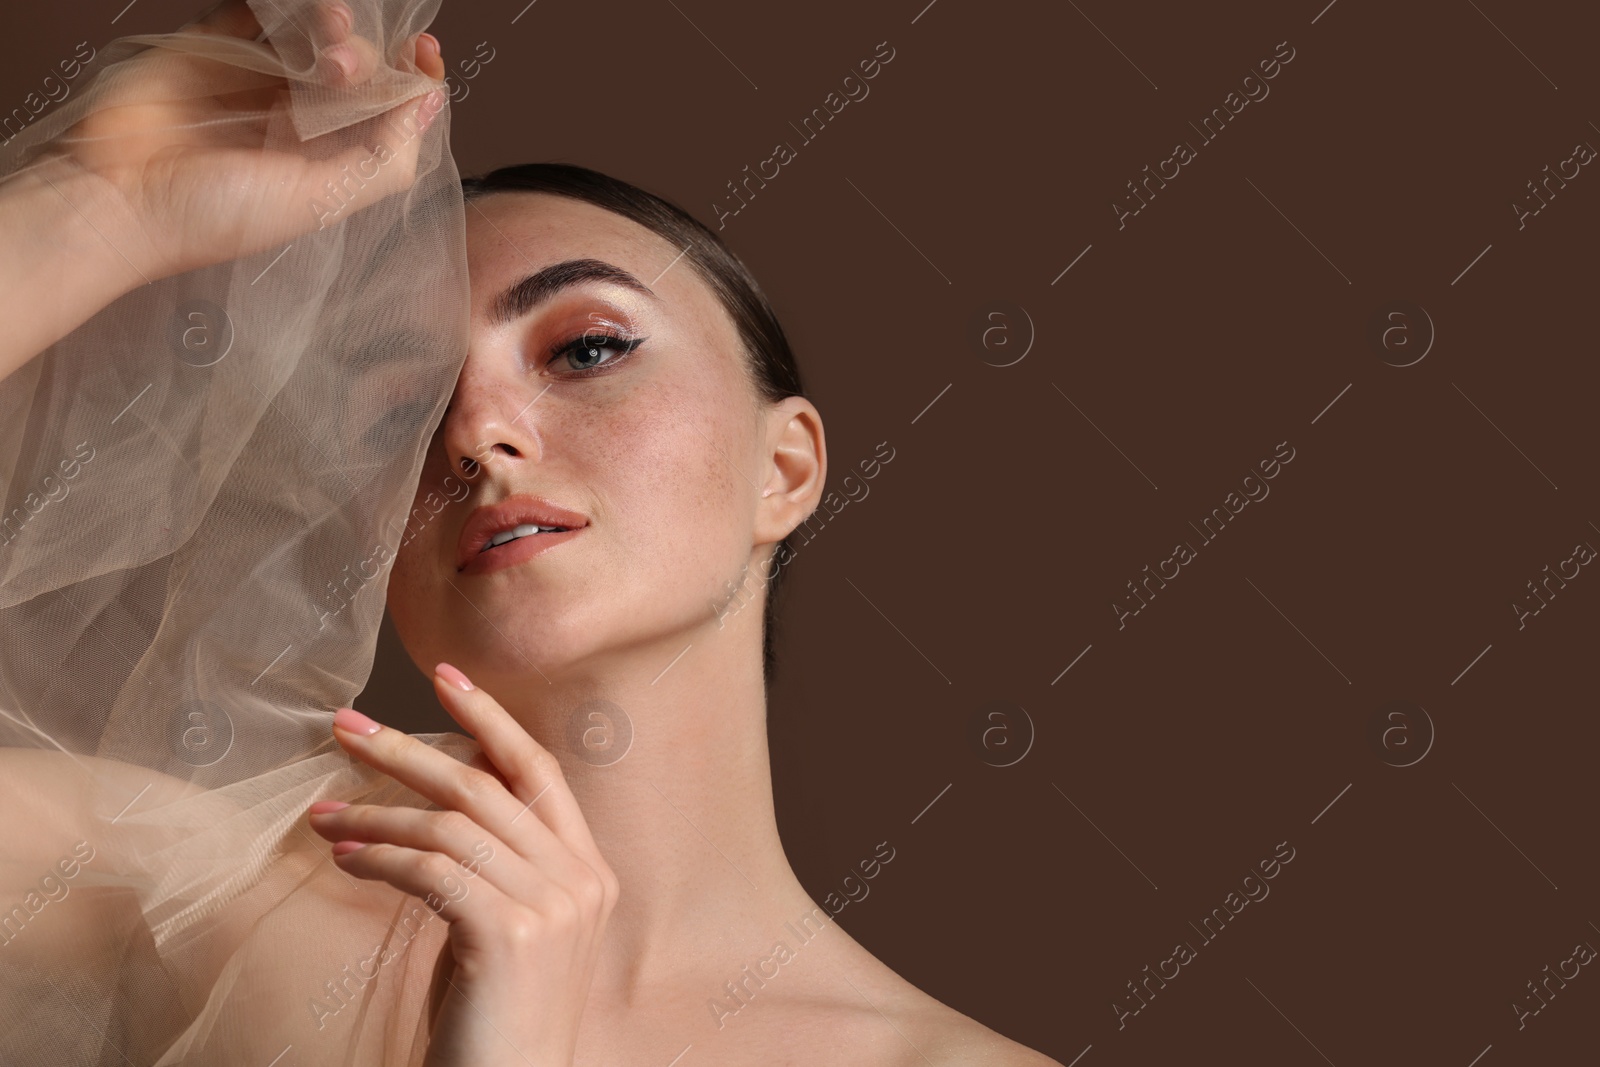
column 204, row 486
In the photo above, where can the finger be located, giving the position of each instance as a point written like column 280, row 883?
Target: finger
column 449, row 783
column 450, row 833
column 335, row 20
column 531, row 771
column 234, row 18
column 388, row 166
column 428, row 55
column 350, row 60
column 481, row 760
column 231, row 18
column 344, row 59
column 433, row 876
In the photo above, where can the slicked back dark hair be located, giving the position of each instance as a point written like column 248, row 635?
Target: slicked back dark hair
column 768, row 357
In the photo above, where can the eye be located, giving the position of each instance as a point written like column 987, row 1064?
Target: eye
column 589, row 351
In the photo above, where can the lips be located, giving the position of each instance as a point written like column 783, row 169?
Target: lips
column 522, row 510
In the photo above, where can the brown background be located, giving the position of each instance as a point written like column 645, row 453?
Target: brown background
column 1175, row 354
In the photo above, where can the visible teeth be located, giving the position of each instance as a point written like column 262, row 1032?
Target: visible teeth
column 525, row 530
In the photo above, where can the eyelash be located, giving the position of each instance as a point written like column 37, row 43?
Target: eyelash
column 621, row 346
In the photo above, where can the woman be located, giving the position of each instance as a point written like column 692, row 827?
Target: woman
column 631, row 426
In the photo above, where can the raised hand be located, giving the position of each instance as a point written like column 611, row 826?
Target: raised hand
column 173, row 166
column 508, row 862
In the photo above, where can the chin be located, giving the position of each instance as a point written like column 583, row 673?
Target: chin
column 524, row 647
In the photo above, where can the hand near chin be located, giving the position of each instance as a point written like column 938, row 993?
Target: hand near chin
column 508, row 862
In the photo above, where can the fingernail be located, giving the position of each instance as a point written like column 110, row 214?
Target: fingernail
column 453, row 676
column 352, row 720
column 343, row 13
column 344, row 848
column 328, row 807
column 438, row 50
column 343, row 57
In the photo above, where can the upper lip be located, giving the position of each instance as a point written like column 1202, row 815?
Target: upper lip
column 511, row 512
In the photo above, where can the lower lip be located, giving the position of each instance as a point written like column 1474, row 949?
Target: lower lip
column 514, row 552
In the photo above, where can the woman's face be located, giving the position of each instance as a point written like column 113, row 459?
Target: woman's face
column 657, row 440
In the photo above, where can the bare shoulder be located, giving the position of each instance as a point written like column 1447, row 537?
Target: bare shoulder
column 52, row 797
column 58, row 842
column 922, row 1030
column 952, row 1039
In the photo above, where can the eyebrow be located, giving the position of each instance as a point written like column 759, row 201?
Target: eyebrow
column 522, row 297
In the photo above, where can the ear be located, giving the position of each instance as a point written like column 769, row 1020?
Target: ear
column 798, row 468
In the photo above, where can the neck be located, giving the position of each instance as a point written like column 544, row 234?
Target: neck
column 683, row 812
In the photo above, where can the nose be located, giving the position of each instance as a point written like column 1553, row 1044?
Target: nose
column 490, row 419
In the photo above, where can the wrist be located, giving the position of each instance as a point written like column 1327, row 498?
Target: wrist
column 72, row 224
column 60, row 262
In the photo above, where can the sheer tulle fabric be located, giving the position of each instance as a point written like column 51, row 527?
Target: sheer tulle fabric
column 204, row 486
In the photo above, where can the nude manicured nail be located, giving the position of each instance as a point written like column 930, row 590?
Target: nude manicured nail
column 453, row 676
column 344, row 848
column 328, row 807
column 343, row 57
column 352, row 720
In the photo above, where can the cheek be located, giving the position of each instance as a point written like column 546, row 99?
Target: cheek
column 677, row 471
column 408, row 568
column 421, row 531
column 407, row 579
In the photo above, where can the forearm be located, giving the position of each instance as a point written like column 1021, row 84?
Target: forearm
column 59, row 263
